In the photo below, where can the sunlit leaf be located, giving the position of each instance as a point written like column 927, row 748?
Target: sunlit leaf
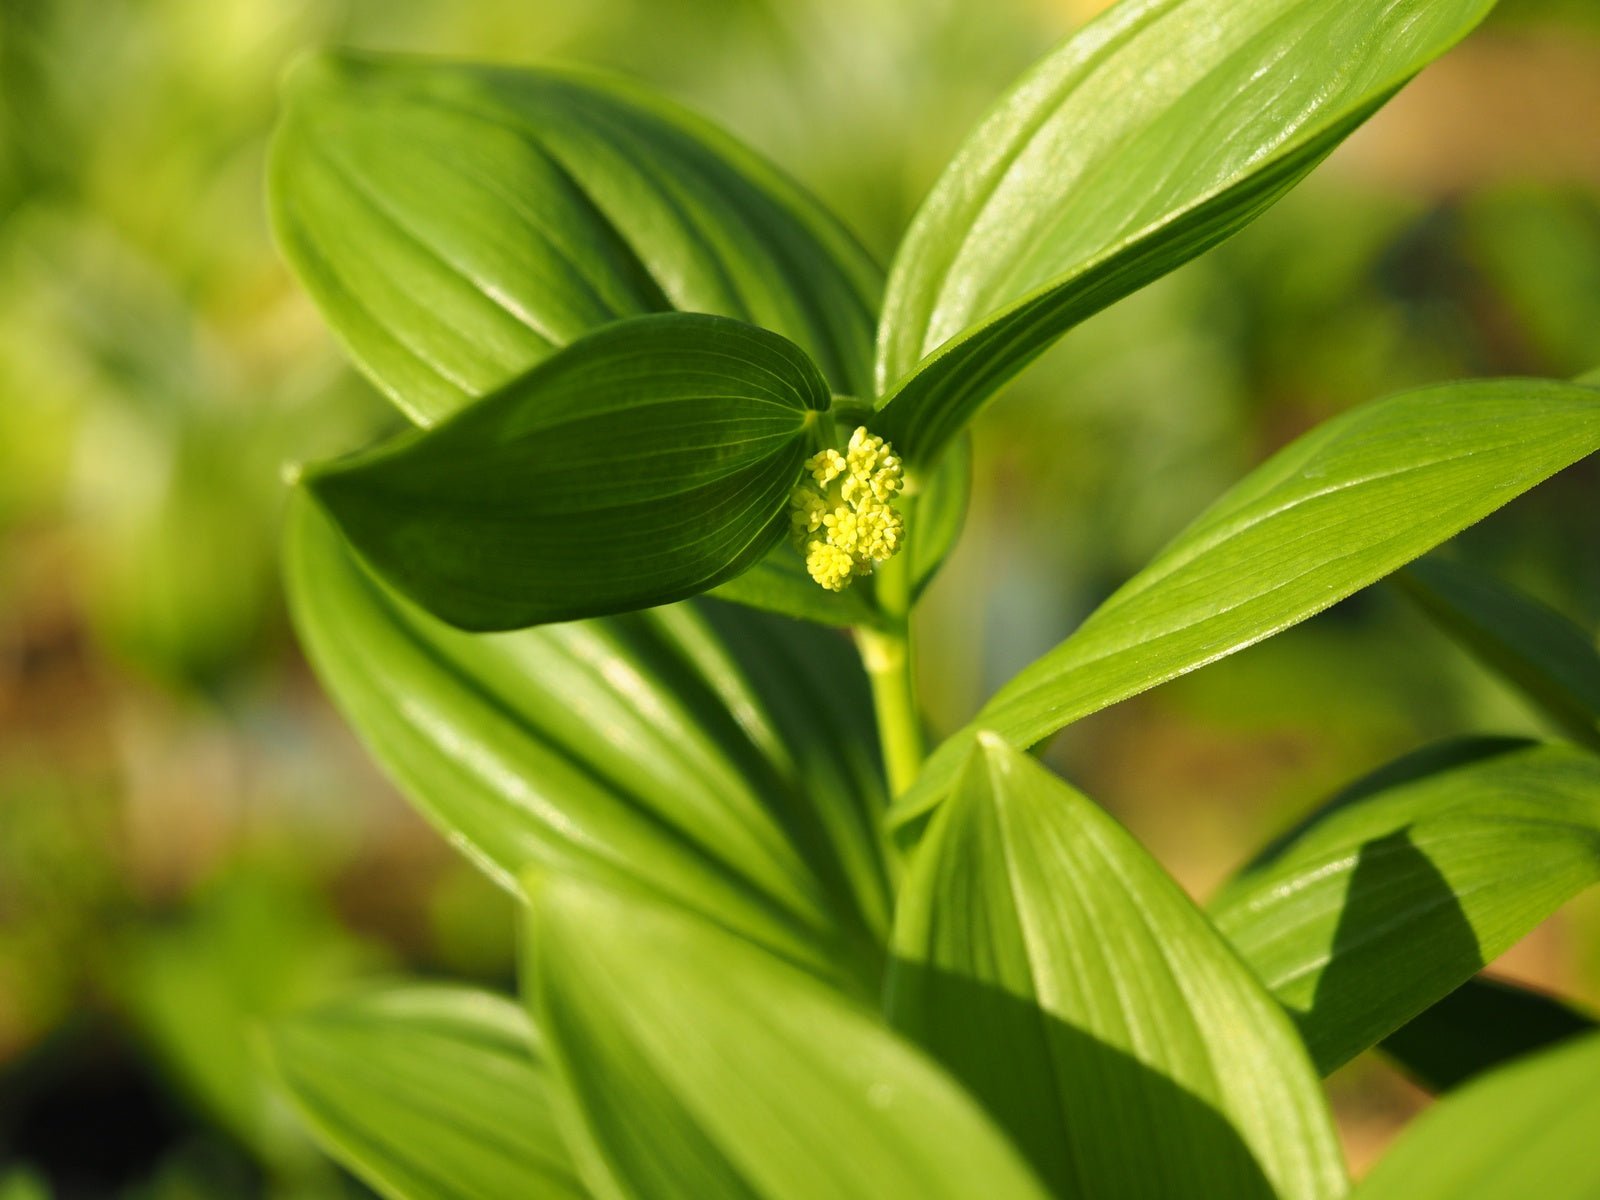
column 429, row 1093
column 643, row 464
column 458, row 224
column 1524, row 1131
column 695, row 1065
column 1338, row 509
column 1544, row 655
column 1401, row 889
column 1152, row 134
column 1483, row 1024
column 1060, row 973
column 723, row 758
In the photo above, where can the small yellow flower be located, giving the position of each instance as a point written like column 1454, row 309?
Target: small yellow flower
column 840, row 516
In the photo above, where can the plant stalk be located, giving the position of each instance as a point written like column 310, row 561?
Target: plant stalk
column 886, row 654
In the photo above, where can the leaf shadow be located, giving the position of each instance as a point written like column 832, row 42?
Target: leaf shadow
column 1483, row 1023
column 1096, row 1123
column 1397, row 909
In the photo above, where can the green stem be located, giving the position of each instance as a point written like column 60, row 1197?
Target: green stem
column 886, row 654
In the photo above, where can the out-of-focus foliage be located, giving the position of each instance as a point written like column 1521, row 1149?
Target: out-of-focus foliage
column 157, row 367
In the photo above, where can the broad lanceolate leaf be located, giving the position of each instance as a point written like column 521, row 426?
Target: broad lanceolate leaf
column 694, row 1065
column 1527, row 1130
column 722, row 758
column 1058, row 971
column 1338, row 509
column 457, row 224
column 1548, row 658
column 1150, row 136
column 643, row 464
column 429, row 1093
column 1483, row 1024
column 1403, row 889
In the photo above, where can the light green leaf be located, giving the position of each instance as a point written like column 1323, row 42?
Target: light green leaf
column 1402, row 888
column 1153, row 134
column 645, row 463
column 1060, row 973
column 1527, row 1130
column 458, row 224
column 694, row 1065
column 1544, row 655
column 1338, row 509
column 1483, row 1024
column 722, row 758
column 429, row 1093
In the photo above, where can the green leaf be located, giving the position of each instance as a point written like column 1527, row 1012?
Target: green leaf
column 720, row 757
column 645, row 463
column 694, row 1065
column 1061, row 974
column 1483, row 1024
column 429, row 1093
column 1153, row 134
column 939, row 513
column 1527, row 1130
column 1400, row 890
column 1541, row 653
column 1335, row 511
column 457, row 224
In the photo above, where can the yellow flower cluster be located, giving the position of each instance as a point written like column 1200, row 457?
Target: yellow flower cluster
column 840, row 515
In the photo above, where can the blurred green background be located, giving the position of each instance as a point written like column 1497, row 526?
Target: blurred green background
column 190, row 841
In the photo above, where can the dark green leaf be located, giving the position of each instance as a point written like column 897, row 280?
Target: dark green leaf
column 429, row 1093
column 1396, row 895
column 1150, row 136
column 1483, row 1024
column 645, row 463
column 458, row 224
column 939, row 512
column 1338, row 509
column 1522, row 1132
column 1548, row 658
column 1060, row 973
column 694, row 1065
column 722, row 758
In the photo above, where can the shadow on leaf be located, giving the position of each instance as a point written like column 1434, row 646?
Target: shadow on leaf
column 1094, row 1121
column 1402, row 934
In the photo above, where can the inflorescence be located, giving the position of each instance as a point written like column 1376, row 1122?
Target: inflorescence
column 840, row 515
